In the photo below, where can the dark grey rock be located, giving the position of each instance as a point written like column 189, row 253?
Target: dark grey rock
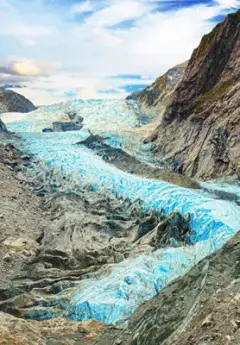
column 79, row 119
column 3, row 128
column 66, row 126
column 72, row 115
column 47, row 130
column 11, row 101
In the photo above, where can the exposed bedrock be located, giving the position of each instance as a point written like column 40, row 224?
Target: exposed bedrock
column 4, row 133
column 75, row 124
column 156, row 97
column 200, row 130
column 66, row 126
column 11, row 101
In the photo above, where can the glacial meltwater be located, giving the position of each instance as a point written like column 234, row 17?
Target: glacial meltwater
column 116, row 294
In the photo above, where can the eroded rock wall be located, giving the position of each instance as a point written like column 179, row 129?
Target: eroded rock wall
column 200, row 130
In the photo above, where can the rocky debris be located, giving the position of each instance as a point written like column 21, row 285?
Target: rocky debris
column 66, row 126
column 11, row 156
column 11, row 101
column 22, row 219
column 73, row 116
column 124, row 161
column 156, row 96
column 200, row 129
column 75, row 123
column 15, row 331
column 20, row 244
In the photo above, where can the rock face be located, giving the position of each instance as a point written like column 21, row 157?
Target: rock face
column 157, row 95
column 200, row 130
column 200, row 308
column 15, row 331
column 11, row 101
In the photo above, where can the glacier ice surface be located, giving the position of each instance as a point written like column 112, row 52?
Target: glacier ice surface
column 116, row 295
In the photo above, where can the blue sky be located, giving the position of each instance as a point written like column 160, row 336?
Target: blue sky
column 64, row 49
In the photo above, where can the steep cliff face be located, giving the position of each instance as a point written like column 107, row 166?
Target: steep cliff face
column 11, row 101
column 200, row 130
column 157, row 95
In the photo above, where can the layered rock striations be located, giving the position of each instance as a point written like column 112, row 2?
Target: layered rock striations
column 156, row 96
column 11, row 101
column 200, row 129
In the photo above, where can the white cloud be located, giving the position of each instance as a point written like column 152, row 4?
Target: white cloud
column 25, row 67
column 117, row 12
column 82, row 7
column 89, row 50
column 228, row 3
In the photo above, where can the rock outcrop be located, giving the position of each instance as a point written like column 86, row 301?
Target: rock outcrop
column 200, row 130
column 155, row 97
column 4, row 133
column 3, row 128
column 11, row 101
column 66, row 126
column 75, row 123
column 200, row 308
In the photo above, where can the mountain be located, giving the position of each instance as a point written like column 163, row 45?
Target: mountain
column 200, row 129
column 156, row 96
column 11, row 101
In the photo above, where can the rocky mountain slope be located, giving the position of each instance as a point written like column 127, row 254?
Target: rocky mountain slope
column 200, row 308
column 11, row 101
column 200, row 130
column 155, row 97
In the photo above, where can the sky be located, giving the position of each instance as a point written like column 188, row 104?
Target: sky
column 58, row 50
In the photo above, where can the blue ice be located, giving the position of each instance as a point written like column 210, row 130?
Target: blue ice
column 116, row 295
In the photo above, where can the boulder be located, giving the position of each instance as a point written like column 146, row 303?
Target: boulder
column 66, row 126
column 47, row 130
column 14, row 331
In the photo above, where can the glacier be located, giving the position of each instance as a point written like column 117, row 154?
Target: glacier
column 116, row 295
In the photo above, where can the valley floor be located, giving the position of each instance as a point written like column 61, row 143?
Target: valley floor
column 203, row 307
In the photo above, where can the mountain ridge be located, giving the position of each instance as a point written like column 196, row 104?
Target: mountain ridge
column 200, row 129
column 156, row 96
column 11, row 101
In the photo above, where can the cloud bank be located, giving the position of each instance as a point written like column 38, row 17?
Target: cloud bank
column 75, row 49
